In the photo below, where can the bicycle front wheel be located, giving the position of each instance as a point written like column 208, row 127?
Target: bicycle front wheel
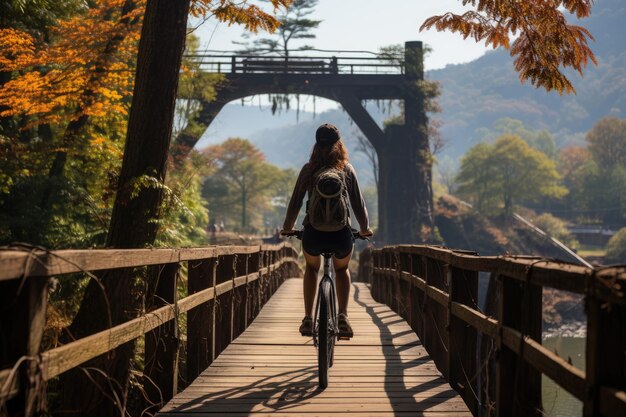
column 325, row 335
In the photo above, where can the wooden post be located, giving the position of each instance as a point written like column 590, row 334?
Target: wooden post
column 232, row 302
column 200, row 320
column 260, row 283
column 374, row 276
column 223, row 306
column 606, row 345
column 518, row 385
column 463, row 339
column 394, row 283
column 255, row 262
column 389, row 293
column 161, row 344
column 413, row 296
column 418, row 268
column 404, row 288
column 436, row 317
column 23, row 305
column 246, row 294
column 239, row 296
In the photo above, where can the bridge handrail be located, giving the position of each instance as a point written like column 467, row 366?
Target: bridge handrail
column 442, row 284
column 266, row 266
column 18, row 263
column 250, row 64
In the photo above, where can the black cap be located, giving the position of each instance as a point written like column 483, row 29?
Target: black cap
column 327, row 134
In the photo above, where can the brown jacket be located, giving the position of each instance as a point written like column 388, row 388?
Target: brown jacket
column 303, row 185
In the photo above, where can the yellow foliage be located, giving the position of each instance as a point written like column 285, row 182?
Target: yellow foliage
column 73, row 74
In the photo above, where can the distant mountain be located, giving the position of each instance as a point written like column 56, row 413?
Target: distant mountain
column 474, row 96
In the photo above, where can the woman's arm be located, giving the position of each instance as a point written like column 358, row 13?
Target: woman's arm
column 299, row 190
column 357, row 202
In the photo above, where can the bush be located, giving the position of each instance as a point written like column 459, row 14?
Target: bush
column 616, row 248
column 556, row 228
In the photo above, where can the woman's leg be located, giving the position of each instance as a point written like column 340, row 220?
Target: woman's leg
column 343, row 282
column 309, row 284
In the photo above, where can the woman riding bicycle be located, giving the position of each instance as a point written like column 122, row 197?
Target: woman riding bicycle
column 329, row 155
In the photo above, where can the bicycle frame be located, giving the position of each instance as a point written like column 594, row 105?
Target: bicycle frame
column 328, row 276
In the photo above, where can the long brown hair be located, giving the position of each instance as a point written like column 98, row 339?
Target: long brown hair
column 334, row 156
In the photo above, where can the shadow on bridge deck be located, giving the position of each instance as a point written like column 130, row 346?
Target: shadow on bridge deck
column 382, row 371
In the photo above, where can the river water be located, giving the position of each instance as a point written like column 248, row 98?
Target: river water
column 556, row 401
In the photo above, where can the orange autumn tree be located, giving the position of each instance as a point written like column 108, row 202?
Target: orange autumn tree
column 536, row 32
column 69, row 93
column 84, row 71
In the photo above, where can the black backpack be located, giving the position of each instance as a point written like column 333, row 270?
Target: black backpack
column 327, row 207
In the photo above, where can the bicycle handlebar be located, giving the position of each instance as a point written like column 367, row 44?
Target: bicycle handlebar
column 298, row 234
column 291, row 233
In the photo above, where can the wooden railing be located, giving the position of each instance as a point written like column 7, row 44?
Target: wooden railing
column 240, row 279
column 496, row 362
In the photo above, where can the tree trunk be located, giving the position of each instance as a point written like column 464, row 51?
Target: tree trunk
column 136, row 209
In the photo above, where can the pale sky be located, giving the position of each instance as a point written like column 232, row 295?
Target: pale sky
column 367, row 25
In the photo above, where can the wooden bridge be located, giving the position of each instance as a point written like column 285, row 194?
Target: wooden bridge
column 243, row 355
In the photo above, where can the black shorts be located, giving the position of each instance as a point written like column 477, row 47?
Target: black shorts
column 339, row 243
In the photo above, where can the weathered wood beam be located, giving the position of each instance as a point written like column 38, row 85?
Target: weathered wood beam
column 15, row 263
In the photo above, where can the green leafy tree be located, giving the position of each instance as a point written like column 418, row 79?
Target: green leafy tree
column 596, row 175
column 241, row 185
column 574, row 163
column 509, row 172
column 555, row 227
column 185, row 216
column 538, row 139
column 280, row 193
column 616, row 248
column 604, row 194
column 607, row 142
column 36, row 16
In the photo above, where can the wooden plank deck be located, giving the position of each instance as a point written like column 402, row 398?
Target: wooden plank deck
column 382, row 371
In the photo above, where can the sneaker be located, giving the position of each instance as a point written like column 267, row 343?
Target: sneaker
column 306, row 328
column 345, row 330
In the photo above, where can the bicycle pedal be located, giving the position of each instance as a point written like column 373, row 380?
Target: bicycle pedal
column 344, row 338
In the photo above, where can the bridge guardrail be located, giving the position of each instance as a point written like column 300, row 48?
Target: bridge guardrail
column 259, row 64
column 241, row 278
column 435, row 290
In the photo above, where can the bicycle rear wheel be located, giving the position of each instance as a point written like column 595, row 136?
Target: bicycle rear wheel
column 325, row 335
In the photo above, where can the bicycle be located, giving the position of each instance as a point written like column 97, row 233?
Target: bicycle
column 325, row 330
